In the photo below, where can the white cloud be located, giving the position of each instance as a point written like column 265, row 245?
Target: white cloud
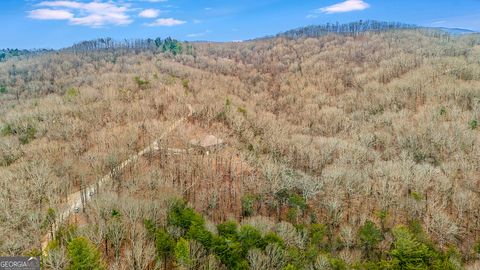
column 166, row 22
column 50, row 14
column 66, row 4
column 439, row 22
column 149, row 13
column 149, row 1
column 94, row 14
column 201, row 34
column 346, row 6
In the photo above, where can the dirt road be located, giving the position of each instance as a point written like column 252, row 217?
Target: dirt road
column 74, row 201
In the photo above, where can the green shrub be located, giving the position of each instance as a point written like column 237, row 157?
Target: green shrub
column 473, row 124
column 164, row 245
column 115, row 213
column 310, row 254
column 292, row 215
column 337, row 264
column 49, row 220
column 182, row 253
column 416, row 228
column 112, row 161
column 199, row 233
column 452, row 259
column 297, row 257
column 229, row 252
column 443, row 110
column 8, row 129
column 476, row 248
column 369, row 236
column 248, row 204
column 189, row 49
column 150, row 227
column 3, row 89
column 383, row 215
column 313, row 217
column 408, row 252
column 28, row 135
column 242, row 110
column 417, row 196
column 295, row 200
column 290, row 267
column 52, row 245
column 317, row 234
column 141, row 83
column 180, row 215
column 228, row 230
column 185, row 84
column 250, row 237
column 71, row 93
column 84, row 255
column 371, row 265
column 171, row 45
column 273, row 238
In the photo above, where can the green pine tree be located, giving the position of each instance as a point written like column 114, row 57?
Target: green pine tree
column 84, row 255
column 408, row 252
column 369, row 236
column 182, row 253
column 164, row 245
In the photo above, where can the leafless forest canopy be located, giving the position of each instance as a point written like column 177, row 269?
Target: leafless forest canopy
column 338, row 145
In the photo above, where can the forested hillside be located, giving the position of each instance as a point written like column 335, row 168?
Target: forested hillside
column 352, row 28
column 338, row 152
column 9, row 53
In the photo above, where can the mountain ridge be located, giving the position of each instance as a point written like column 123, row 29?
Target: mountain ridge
column 314, row 30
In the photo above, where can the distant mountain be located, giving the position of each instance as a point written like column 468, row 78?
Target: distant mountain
column 346, row 28
column 456, row 31
column 361, row 27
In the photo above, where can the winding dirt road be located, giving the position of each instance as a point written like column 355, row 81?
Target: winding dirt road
column 74, row 201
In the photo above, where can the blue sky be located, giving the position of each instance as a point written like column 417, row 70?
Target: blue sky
column 56, row 24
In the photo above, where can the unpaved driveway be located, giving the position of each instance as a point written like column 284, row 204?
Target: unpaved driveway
column 74, row 200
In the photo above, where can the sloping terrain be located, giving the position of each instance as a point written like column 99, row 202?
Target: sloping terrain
column 374, row 134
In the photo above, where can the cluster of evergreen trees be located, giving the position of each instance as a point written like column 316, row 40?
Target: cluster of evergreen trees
column 347, row 28
column 81, row 253
column 246, row 247
column 165, row 45
column 7, row 53
column 186, row 241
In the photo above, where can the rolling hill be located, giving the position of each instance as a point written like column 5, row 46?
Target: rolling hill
column 356, row 150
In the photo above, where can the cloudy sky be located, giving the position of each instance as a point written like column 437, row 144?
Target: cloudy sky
column 56, row 24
